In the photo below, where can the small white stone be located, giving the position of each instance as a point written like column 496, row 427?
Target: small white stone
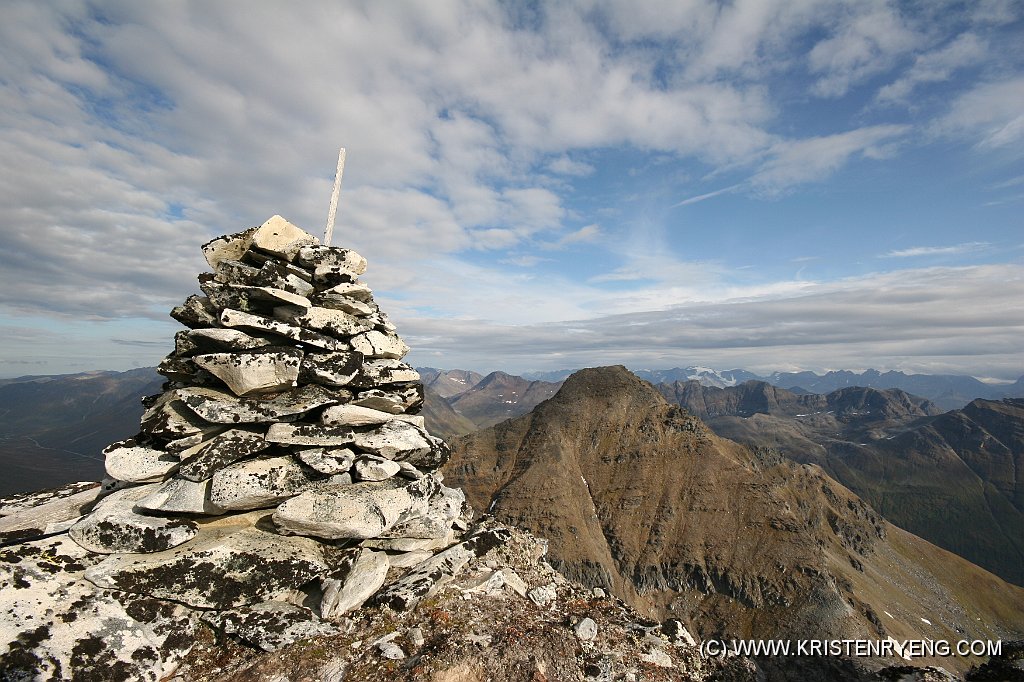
column 586, row 629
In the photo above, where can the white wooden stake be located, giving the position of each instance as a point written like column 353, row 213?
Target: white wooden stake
column 334, row 198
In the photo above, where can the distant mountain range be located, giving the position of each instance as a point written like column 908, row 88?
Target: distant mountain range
column 639, row 496
column 948, row 391
column 954, row 478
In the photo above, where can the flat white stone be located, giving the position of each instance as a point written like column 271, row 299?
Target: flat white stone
column 445, row 507
column 259, row 483
column 238, row 318
column 375, row 344
column 220, row 407
column 196, row 311
column 354, row 415
column 410, row 559
column 127, row 461
column 375, row 469
column 271, row 625
column 172, row 420
column 361, row 577
column 254, row 372
column 360, row 510
column 336, row 323
column 395, row 440
column 326, row 460
column 355, row 290
column 227, row 339
column 346, row 304
column 54, row 510
column 181, row 496
column 281, row 238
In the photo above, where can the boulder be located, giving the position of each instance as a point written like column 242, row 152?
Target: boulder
column 180, row 496
column 264, row 370
column 375, row 344
column 330, row 369
column 228, row 565
column 361, row 575
column 279, row 237
column 220, row 407
column 200, row 462
column 360, row 510
column 259, row 483
column 355, row 290
column 344, row 303
column 128, row 461
column 238, row 318
column 335, row 323
column 114, row 526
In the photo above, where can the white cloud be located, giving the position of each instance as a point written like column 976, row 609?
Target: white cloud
column 864, row 45
column 914, row 252
column 990, row 114
column 564, row 165
column 814, row 159
column 936, row 66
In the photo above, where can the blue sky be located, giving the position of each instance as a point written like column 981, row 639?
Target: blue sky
column 766, row 184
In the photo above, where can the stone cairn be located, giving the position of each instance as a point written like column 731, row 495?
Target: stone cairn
column 284, row 460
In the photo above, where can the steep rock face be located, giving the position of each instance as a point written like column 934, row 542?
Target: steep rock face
column 639, row 496
column 955, row 479
column 500, row 396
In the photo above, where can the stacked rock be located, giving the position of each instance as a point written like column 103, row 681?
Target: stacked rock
column 287, row 393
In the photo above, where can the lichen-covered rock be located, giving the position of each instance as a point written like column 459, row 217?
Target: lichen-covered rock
column 244, row 320
column 219, row 568
column 201, row 461
column 114, row 526
column 260, row 483
column 196, row 311
column 375, row 344
column 330, row 369
column 171, row 419
column 264, row 370
column 359, row 510
column 56, row 625
column 329, row 321
column 447, row 507
column 220, row 407
column 395, row 439
column 26, row 516
column 270, row 625
column 385, row 371
column 126, row 460
column 426, row 578
column 310, row 434
column 332, row 256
